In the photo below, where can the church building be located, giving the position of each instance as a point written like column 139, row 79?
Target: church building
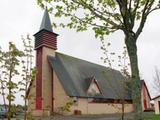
column 68, row 85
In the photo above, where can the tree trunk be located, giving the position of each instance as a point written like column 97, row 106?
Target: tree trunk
column 130, row 41
column 122, row 116
column 25, row 103
column 9, row 99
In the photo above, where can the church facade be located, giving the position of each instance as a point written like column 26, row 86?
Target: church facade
column 68, row 85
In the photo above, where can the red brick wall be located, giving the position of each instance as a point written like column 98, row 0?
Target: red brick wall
column 45, row 38
column 39, row 78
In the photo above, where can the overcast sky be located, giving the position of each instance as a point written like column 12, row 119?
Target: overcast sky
column 21, row 17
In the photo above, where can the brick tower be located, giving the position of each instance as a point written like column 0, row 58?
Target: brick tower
column 45, row 44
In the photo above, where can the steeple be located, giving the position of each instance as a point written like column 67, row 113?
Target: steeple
column 46, row 37
column 45, row 44
column 46, row 23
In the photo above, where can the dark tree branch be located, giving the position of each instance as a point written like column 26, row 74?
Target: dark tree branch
column 143, row 19
column 154, row 9
column 135, row 11
column 136, row 5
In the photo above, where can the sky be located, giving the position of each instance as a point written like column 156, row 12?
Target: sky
column 22, row 17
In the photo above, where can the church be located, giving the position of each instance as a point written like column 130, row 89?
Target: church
column 68, row 85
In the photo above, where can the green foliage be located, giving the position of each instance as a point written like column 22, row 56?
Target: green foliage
column 2, row 81
column 122, row 60
column 105, row 17
column 28, row 73
column 67, row 106
column 9, row 63
column 30, row 117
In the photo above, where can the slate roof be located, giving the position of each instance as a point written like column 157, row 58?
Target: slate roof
column 46, row 23
column 73, row 74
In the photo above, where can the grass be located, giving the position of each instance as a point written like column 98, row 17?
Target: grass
column 151, row 117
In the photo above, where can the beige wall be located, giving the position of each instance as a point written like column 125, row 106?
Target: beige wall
column 99, row 108
column 60, row 96
column 60, row 99
column 156, row 105
column 46, row 79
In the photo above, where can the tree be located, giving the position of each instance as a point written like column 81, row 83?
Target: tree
column 105, row 17
column 27, row 70
column 2, row 82
column 123, row 65
column 10, row 63
column 156, row 78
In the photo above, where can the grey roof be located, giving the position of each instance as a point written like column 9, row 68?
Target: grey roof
column 74, row 75
column 46, row 23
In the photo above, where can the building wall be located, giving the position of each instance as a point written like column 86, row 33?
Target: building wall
column 55, row 89
column 38, row 78
column 99, row 108
column 46, row 86
column 145, row 98
column 60, row 96
column 47, row 80
column 156, row 104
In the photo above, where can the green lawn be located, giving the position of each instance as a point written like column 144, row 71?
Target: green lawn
column 152, row 117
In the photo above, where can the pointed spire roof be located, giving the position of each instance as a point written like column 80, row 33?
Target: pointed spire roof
column 46, row 23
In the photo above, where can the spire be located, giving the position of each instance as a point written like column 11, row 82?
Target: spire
column 45, row 36
column 46, row 23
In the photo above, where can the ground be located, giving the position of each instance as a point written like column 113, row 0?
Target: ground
column 89, row 117
column 148, row 116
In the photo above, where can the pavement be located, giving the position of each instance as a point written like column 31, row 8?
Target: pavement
column 82, row 117
column 88, row 117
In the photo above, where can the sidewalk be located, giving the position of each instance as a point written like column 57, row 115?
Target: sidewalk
column 82, row 117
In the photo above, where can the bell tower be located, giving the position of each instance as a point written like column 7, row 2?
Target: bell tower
column 45, row 44
column 46, row 37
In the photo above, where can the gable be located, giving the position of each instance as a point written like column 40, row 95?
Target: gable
column 73, row 74
column 93, row 88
